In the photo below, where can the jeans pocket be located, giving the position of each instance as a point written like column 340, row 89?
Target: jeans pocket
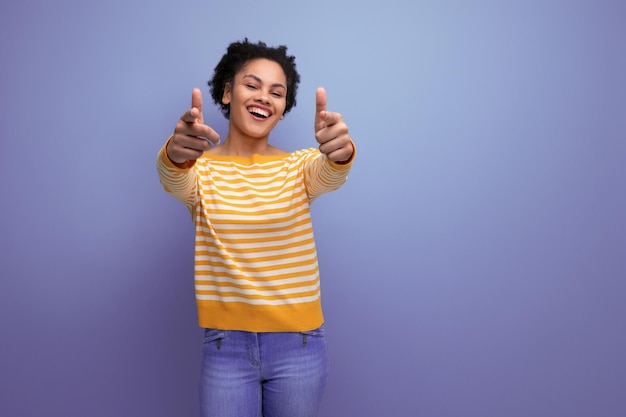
column 213, row 335
column 319, row 332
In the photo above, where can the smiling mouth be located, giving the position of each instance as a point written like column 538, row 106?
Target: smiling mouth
column 255, row 111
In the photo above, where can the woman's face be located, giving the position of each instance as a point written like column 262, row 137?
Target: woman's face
column 257, row 98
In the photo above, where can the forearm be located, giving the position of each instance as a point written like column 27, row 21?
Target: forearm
column 323, row 175
column 179, row 180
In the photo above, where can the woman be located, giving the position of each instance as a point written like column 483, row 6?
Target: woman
column 256, row 269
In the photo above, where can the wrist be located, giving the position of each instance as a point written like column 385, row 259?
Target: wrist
column 182, row 165
column 350, row 158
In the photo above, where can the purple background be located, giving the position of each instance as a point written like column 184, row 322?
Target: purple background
column 473, row 265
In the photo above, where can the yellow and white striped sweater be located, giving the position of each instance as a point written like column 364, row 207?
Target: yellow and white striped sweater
column 256, row 264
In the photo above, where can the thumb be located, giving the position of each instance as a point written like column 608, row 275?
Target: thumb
column 196, row 103
column 320, row 108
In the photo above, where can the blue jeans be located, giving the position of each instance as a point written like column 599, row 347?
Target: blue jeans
column 248, row 374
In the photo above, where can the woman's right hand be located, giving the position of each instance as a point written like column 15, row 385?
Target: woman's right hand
column 191, row 136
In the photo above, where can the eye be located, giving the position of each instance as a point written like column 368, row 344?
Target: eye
column 277, row 94
column 251, row 86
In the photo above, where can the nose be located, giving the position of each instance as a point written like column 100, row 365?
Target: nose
column 263, row 97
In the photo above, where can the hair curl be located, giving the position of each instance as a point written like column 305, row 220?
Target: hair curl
column 238, row 55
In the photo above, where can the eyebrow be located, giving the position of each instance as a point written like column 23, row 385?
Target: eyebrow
column 261, row 81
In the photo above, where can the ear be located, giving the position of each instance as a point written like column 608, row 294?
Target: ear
column 227, row 94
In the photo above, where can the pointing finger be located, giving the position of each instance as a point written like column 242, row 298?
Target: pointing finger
column 320, row 108
column 196, row 99
column 194, row 114
column 196, row 105
column 320, row 100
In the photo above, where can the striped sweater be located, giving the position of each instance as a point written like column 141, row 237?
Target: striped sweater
column 256, row 265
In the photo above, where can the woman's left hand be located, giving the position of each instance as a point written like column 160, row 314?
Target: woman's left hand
column 331, row 132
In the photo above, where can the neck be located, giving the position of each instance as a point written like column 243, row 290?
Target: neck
column 236, row 145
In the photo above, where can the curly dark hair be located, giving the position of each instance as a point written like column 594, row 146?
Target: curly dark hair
column 238, row 55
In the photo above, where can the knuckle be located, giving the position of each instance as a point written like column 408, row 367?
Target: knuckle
column 181, row 125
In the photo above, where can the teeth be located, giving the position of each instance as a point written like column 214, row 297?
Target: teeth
column 259, row 112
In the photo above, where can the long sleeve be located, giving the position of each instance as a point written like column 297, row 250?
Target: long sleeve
column 256, row 266
column 322, row 175
column 179, row 182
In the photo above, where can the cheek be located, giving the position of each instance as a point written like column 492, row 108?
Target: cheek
column 282, row 106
